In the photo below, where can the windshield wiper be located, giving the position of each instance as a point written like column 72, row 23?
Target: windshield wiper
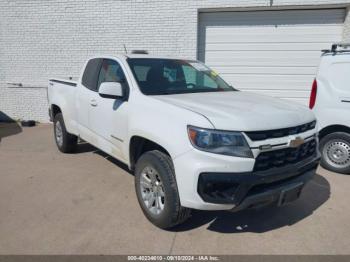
column 197, row 90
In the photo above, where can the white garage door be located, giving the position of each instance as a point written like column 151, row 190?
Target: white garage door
column 269, row 52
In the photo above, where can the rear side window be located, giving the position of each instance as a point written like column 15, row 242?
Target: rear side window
column 91, row 73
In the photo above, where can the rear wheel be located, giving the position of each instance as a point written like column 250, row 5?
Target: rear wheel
column 65, row 141
column 157, row 192
column 335, row 150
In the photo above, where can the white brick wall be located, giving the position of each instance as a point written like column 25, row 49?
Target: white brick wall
column 40, row 39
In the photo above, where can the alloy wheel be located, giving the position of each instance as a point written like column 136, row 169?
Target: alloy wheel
column 59, row 133
column 152, row 190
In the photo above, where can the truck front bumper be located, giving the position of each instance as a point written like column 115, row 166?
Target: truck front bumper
column 215, row 190
column 256, row 189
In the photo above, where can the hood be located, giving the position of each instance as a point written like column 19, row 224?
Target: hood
column 242, row 111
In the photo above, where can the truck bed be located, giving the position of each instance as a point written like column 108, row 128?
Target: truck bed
column 62, row 92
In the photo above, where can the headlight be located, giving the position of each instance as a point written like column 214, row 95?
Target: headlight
column 219, row 142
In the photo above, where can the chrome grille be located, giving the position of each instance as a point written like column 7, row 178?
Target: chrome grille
column 262, row 135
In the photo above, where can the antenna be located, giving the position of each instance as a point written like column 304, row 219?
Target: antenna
column 126, row 51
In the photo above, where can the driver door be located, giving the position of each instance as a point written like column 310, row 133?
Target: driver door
column 108, row 117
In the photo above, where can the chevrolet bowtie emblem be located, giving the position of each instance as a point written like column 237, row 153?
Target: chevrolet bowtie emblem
column 296, row 142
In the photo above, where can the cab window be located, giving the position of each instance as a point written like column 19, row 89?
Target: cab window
column 91, row 73
column 111, row 71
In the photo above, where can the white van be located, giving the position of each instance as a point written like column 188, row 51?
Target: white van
column 330, row 101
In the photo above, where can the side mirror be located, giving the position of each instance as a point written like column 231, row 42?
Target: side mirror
column 112, row 90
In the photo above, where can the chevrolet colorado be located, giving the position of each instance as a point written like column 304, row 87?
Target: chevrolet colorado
column 192, row 140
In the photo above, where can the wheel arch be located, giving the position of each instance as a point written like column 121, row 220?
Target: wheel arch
column 332, row 129
column 55, row 109
column 139, row 145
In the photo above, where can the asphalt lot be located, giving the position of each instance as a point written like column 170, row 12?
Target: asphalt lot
column 84, row 203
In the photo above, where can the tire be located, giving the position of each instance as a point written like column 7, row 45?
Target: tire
column 166, row 211
column 335, row 152
column 28, row 123
column 65, row 141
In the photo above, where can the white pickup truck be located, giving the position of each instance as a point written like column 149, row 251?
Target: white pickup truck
column 192, row 140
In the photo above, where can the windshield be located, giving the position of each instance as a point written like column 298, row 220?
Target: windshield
column 168, row 76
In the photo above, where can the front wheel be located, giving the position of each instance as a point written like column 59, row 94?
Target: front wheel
column 157, row 192
column 335, row 151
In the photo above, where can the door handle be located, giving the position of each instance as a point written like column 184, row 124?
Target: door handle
column 93, row 102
